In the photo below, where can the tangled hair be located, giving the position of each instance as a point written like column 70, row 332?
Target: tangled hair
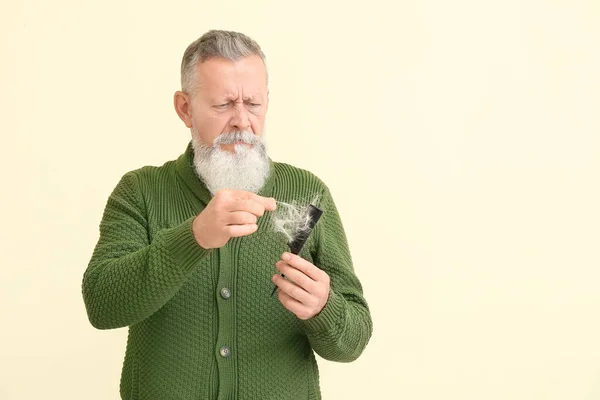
column 292, row 219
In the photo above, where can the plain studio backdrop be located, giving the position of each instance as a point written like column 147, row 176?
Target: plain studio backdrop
column 460, row 139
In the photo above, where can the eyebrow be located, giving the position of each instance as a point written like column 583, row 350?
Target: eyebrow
column 253, row 98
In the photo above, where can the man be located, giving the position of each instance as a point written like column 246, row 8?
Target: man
column 187, row 256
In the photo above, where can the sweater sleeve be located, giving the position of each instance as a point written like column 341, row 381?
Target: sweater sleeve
column 341, row 331
column 128, row 277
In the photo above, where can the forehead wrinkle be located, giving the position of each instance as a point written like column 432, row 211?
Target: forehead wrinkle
column 234, row 95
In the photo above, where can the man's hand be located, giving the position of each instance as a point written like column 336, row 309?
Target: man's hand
column 230, row 213
column 308, row 290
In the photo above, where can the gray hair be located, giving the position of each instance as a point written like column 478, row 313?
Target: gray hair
column 216, row 43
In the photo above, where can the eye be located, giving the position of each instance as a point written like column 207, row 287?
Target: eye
column 253, row 104
column 222, row 106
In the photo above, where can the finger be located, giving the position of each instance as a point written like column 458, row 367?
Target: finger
column 240, row 230
column 247, row 205
column 240, row 218
column 292, row 290
column 304, row 266
column 293, row 305
column 296, row 276
column 267, row 202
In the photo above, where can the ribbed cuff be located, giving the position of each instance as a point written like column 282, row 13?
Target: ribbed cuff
column 181, row 246
column 330, row 316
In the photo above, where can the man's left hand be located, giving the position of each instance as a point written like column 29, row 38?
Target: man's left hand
column 306, row 289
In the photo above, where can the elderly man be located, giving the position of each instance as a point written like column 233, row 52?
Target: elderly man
column 187, row 256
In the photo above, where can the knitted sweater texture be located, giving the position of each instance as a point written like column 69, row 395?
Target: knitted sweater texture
column 202, row 323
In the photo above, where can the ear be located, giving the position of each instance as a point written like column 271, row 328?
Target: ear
column 181, row 101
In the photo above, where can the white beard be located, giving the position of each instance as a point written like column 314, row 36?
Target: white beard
column 247, row 168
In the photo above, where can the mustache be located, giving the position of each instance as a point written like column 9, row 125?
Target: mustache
column 238, row 136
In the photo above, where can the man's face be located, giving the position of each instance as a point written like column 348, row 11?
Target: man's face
column 229, row 96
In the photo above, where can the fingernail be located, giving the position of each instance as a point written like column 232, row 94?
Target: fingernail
column 286, row 256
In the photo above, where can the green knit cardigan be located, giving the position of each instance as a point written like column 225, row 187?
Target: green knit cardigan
column 202, row 324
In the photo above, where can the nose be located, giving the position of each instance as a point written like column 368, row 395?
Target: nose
column 240, row 119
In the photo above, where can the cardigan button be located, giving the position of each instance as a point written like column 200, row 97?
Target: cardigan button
column 225, row 293
column 225, row 351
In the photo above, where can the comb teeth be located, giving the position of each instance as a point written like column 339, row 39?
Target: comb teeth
column 299, row 240
column 301, row 237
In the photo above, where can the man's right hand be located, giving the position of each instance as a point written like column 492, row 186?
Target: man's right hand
column 230, row 213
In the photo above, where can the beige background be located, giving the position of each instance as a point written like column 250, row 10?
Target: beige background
column 461, row 140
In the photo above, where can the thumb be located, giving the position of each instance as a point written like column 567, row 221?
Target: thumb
column 268, row 203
